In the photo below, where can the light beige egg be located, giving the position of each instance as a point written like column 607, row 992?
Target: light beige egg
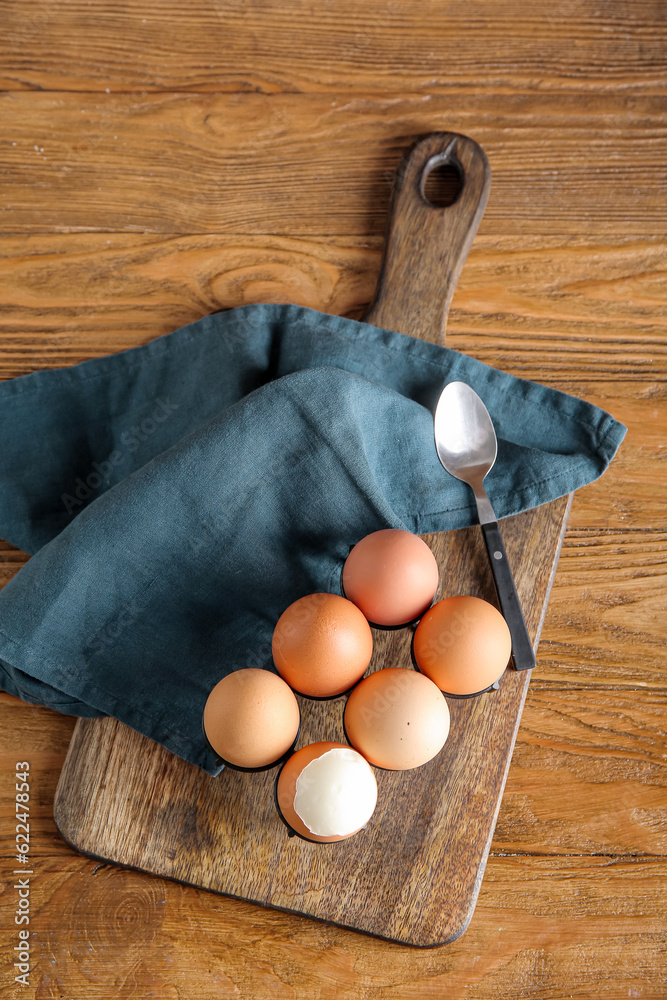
column 251, row 718
column 397, row 718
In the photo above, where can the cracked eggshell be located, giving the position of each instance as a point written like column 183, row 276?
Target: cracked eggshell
column 287, row 788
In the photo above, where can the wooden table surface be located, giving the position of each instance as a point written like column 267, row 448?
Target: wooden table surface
column 160, row 161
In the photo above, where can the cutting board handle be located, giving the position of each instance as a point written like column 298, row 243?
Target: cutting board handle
column 426, row 245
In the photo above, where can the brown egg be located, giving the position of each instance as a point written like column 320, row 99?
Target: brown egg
column 251, row 718
column 463, row 644
column 332, row 786
column 392, row 576
column 397, row 718
column 322, row 645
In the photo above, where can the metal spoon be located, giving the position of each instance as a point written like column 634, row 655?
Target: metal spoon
column 466, row 443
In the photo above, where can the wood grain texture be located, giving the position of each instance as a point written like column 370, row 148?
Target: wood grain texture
column 102, row 931
column 588, row 774
column 296, row 165
column 564, row 284
column 565, row 311
column 249, row 45
column 612, row 588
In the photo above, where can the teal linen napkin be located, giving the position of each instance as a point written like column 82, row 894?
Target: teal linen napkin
column 178, row 496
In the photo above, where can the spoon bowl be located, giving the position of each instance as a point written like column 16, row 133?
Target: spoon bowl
column 465, row 440
column 467, row 446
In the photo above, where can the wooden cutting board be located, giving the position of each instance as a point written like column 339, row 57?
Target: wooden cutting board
column 413, row 875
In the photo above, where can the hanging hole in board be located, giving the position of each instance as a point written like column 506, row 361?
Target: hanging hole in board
column 442, row 182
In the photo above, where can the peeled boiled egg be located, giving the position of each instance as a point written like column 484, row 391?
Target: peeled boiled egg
column 326, row 791
column 397, row 718
column 322, row 645
column 463, row 644
column 392, row 576
column 251, row 718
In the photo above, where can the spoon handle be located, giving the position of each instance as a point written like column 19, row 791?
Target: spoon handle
column 522, row 648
